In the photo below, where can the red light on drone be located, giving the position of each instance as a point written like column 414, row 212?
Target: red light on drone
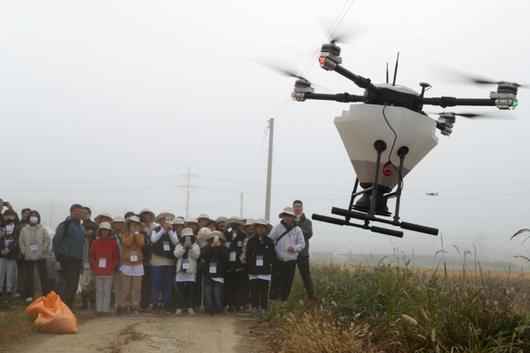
column 322, row 59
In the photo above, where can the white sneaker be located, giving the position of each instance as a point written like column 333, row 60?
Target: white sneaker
column 178, row 312
column 191, row 311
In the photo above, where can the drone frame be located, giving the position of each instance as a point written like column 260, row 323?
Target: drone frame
column 330, row 60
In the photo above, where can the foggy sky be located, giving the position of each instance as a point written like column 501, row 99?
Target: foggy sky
column 107, row 103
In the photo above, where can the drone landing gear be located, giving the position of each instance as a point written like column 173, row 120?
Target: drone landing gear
column 373, row 202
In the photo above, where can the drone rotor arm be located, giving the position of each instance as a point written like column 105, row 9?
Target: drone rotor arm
column 340, row 97
column 453, row 101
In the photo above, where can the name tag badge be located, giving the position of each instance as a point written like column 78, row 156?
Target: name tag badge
column 185, row 264
column 134, row 256
column 239, row 243
column 166, row 246
column 232, row 257
column 33, row 247
column 102, row 262
column 213, row 267
column 259, row 260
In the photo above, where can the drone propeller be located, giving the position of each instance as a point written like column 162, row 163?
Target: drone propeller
column 470, row 115
column 345, row 33
column 473, row 79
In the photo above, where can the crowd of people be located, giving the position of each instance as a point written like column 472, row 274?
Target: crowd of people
column 156, row 263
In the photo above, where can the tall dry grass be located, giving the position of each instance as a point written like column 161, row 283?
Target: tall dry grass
column 402, row 310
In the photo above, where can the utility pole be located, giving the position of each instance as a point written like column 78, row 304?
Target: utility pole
column 241, row 206
column 188, row 186
column 269, row 172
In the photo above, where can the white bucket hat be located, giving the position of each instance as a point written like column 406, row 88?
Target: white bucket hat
column 105, row 226
column 235, row 220
column 187, row 232
column 191, row 220
column 288, row 211
column 103, row 214
column 203, row 216
column 118, row 219
column 261, row 222
column 178, row 221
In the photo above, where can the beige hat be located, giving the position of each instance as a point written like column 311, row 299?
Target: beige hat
column 287, row 211
column 178, row 221
column 204, row 233
column 217, row 233
column 221, row 219
column 249, row 222
column 104, row 214
column 105, row 225
column 118, row 219
column 190, row 220
column 165, row 215
column 134, row 219
column 235, row 220
column 261, row 222
column 144, row 211
column 203, row 216
column 187, row 232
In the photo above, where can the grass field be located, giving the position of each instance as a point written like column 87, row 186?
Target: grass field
column 401, row 310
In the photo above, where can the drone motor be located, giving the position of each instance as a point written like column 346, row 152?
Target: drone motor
column 330, row 56
column 445, row 123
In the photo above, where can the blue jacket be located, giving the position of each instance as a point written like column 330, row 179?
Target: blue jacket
column 71, row 243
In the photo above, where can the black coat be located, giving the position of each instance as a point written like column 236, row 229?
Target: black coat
column 217, row 255
column 260, row 247
column 236, row 246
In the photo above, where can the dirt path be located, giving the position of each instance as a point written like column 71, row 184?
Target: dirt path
column 148, row 333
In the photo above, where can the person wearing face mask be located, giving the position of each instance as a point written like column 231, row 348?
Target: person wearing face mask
column 132, row 268
column 9, row 252
column 34, row 242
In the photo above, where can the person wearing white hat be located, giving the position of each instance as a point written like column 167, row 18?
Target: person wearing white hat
column 202, row 240
column 215, row 259
column 260, row 255
column 203, row 220
column 289, row 241
column 104, row 256
column 163, row 240
column 187, row 253
column 220, row 224
column 178, row 225
column 193, row 224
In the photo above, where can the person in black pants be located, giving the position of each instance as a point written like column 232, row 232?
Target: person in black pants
column 289, row 242
column 236, row 285
column 260, row 255
column 68, row 248
column 303, row 257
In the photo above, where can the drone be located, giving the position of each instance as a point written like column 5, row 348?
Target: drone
column 386, row 134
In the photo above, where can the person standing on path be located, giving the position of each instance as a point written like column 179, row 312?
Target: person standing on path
column 303, row 257
column 68, row 248
column 289, row 242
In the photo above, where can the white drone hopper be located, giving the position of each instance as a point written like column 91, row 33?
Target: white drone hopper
column 364, row 124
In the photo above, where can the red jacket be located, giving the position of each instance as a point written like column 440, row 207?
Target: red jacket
column 104, row 256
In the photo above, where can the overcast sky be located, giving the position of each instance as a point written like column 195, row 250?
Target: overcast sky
column 107, row 103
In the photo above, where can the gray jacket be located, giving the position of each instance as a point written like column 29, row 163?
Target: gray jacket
column 307, row 228
column 71, row 244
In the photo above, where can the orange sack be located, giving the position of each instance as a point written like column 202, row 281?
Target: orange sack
column 53, row 316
